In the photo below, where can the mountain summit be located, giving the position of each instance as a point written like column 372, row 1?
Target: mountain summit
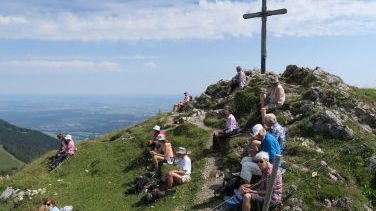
column 329, row 153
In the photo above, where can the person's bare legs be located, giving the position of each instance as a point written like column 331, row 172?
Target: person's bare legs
column 263, row 111
column 228, row 90
column 246, row 206
column 171, row 176
column 156, row 159
column 256, row 145
column 262, row 99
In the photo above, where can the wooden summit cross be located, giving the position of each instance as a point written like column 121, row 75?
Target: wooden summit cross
column 264, row 14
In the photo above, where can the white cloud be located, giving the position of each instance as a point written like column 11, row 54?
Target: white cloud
column 47, row 65
column 137, row 20
column 150, row 65
column 11, row 20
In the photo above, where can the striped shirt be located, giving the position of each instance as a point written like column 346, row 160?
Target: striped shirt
column 277, row 188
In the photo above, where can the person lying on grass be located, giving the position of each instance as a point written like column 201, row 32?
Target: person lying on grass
column 254, row 197
column 163, row 153
column 183, row 175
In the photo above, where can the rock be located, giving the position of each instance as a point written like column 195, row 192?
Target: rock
column 8, row 192
column 365, row 115
column 344, row 202
column 327, row 203
column 328, row 122
column 332, row 177
column 366, row 207
column 372, row 164
column 323, row 163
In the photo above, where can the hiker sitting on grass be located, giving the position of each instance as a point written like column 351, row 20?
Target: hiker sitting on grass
column 183, row 175
column 264, row 141
column 255, row 198
column 275, row 128
column 48, row 205
column 239, row 80
column 163, row 153
column 272, row 98
column 186, row 100
column 60, row 137
column 69, row 149
column 153, row 142
column 249, row 166
column 231, row 129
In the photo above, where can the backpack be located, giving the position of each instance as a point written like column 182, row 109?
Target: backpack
column 138, row 184
column 154, row 192
column 228, row 185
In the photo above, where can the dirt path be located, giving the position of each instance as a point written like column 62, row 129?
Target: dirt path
column 212, row 175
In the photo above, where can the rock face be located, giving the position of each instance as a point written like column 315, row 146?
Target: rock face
column 372, row 164
column 330, row 123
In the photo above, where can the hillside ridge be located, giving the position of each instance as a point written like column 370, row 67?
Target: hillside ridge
column 329, row 154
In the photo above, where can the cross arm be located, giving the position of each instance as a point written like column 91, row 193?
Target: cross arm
column 267, row 13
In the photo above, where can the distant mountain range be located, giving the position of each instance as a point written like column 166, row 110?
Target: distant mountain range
column 25, row 144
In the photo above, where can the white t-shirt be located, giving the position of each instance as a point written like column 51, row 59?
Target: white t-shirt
column 185, row 165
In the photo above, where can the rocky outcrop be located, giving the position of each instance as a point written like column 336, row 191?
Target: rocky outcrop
column 330, row 123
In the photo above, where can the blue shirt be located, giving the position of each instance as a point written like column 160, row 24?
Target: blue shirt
column 270, row 145
column 279, row 133
column 53, row 209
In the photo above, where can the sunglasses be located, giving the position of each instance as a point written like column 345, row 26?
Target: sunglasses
column 259, row 161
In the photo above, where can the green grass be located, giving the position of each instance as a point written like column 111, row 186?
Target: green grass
column 112, row 162
column 8, row 161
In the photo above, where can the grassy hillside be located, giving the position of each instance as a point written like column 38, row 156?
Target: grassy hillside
column 96, row 177
column 8, row 161
column 25, row 144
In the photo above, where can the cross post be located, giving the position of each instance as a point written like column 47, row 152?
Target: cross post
column 264, row 14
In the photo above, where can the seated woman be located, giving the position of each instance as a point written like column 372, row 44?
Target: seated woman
column 271, row 99
column 255, row 198
column 69, row 149
column 231, row 129
column 239, row 80
column 186, row 100
column 183, row 175
column 153, row 142
column 163, row 153
column 249, row 167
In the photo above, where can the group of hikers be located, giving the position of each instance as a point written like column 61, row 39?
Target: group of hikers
column 161, row 152
column 267, row 141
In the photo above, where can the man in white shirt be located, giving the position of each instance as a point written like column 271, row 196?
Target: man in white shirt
column 183, row 175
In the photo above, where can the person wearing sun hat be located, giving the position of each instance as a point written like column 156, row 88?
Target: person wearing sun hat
column 273, row 98
column 183, row 175
column 153, row 142
column 264, row 141
column 164, row 152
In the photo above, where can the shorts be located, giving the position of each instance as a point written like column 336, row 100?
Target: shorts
column 258, row 201
column 186, row 178
column 234, row 85
column 274, row 106
column 169, row 160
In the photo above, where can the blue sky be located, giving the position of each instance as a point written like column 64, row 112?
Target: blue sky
column 167, row 47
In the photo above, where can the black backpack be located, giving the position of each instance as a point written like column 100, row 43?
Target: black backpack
column 154, row 192
column 138, row 185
